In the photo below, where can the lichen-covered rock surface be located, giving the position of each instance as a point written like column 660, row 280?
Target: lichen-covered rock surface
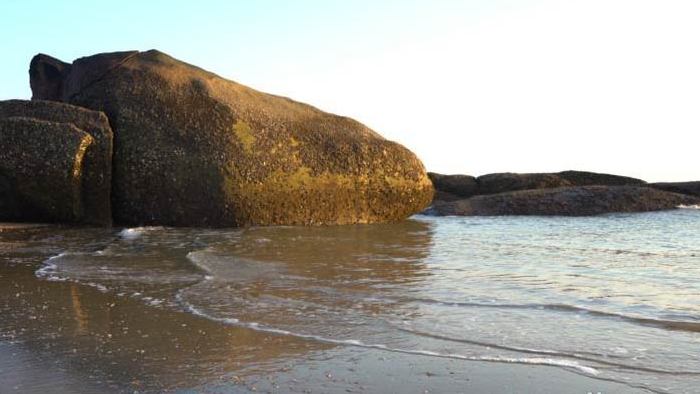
column 194, row 149
column 96, row 166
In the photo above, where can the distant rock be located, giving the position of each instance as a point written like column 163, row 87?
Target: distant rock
column 41, row 170
column 508, row 182
column 689, row 188
column 451, row 187
column 96, row 166
column 585, row 178
column 194, row 149
column 566, row 201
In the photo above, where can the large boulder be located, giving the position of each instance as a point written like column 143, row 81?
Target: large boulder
column 194, row 149
column 566, row 201
column 41, row 167
column 97, row 164
column 690, row 188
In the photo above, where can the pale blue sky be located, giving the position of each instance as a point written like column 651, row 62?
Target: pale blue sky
column 471, row 86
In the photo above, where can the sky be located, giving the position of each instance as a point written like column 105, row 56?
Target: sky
column 472, row 87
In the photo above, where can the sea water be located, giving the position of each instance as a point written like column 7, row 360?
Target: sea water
column 613, row 297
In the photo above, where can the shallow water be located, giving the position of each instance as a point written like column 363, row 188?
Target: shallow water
column 614, row 297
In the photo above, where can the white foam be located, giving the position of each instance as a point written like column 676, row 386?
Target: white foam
column 696, row 206
column 48, row 270
column 99, row 287
column 130, row 234
column 557, row 362
column 196, row 258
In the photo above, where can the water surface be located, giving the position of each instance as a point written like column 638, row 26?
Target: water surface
column 611, row 298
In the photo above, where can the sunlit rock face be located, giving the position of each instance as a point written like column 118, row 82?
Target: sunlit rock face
column 194, row 149
column 55, row 163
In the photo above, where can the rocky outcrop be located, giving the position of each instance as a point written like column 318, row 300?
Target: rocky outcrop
column 508, row 182
column 194, row 149
column 453, row 187
column 585, row 178
column 566, row 201
column 689, row 188
column 96, row 166
column 41, row 170
column 568, row 193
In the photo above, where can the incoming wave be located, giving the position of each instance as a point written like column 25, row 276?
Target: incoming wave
column 548, row 361
column 543, row 352
column 696, row 206
column 674, row 325
column 49, row 272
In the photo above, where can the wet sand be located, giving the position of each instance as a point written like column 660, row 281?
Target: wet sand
column 63, row 337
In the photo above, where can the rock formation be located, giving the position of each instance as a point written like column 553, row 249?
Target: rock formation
column 95, row 168
column 585, row 178
column 453, row 187
column 689, row 188
column 566, row 201
column 147, row 139
column 509, row 182
column 570, row 193
column 194, row 149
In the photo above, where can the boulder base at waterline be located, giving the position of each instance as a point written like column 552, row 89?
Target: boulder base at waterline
column 193, row 149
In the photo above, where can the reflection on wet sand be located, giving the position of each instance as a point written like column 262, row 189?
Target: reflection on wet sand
column 122, row 342
column 81, row 318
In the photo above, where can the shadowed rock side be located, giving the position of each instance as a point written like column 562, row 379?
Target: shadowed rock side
column 41, row 170
column 192, row 148
column 46, row 76
column 585, row 178
column 690, row 188
column 453, row 187
column 567, row 201
column 508, row 182
column 97, row 163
